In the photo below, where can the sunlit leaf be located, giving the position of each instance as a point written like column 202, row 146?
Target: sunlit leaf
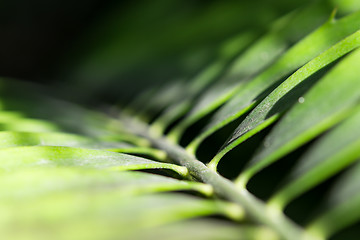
column 100, row 211
column 208, row 230
column 298, row 55
column 34, row 183
column 39, row 156
column 341, row 206
column 332, row 153
column 270, row 108
column 267, row 49
column 324, row 105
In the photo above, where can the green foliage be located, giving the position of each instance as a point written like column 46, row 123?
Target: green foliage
column 293, row 90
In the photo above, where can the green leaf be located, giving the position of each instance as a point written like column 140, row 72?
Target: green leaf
column 15, row 139
column 266, row 112
column 25, row 124
column 324, row 105
column 53, row 115
column 25, row 184
column 281, row 35
column 329, row 155
column 106, row 212
column 168, row 94
column 341, row 206
column 254, row 91
column 228, row 51
column 207, row 230
column 37, row 156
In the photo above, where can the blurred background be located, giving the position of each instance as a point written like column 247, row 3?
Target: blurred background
column 107, row 49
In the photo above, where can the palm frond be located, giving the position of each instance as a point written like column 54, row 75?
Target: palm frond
column 68, row 172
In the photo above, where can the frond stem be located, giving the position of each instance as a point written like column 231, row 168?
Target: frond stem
column 255, row 208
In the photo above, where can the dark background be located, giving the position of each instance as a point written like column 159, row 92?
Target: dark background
column 106, row 49
column 34, row 34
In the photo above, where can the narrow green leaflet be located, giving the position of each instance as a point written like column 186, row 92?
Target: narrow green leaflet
column 106, row 212
column 341, row 206
column 36, row 156
column 55, row 114
column 207, row 230
column 329, row 155
column 15, row 122
column 34, row 183
column 61, row 116
column 121, row 136
column 16, row 139
column 147, row 151
column 281, row 35
column 301, row 53
column 170, row 115
column 134, row 104
column 322, row 107
column 7, row 116
column 169, row 94
column 228, row 51
column 346, row 6
column 264, row 114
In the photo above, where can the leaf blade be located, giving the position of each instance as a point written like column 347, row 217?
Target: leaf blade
column 320, row 115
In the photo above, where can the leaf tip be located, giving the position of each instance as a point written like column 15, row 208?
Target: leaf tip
column 333, row 15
